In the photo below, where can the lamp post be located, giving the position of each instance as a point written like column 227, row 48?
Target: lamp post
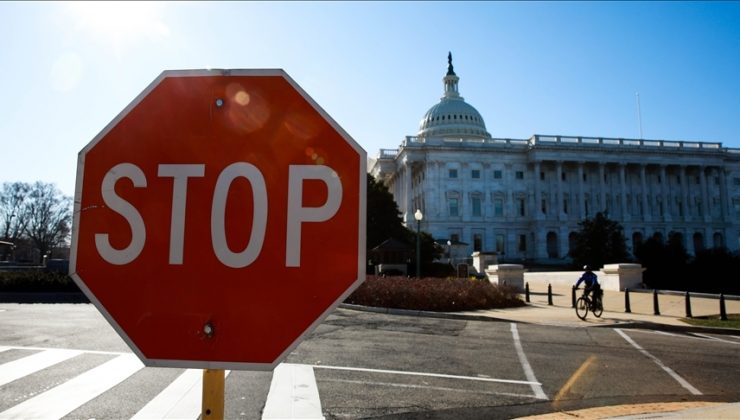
column 418, row 216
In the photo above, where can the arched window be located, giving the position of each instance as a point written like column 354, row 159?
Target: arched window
column 719, row 240
column 698, row 242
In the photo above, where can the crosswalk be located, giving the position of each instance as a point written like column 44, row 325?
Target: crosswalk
column 25, row 391
column 179, row 398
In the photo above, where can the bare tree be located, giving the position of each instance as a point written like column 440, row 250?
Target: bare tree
column 50, row 216
column 14, row 210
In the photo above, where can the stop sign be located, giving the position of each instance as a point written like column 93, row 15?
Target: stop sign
column 219, row 218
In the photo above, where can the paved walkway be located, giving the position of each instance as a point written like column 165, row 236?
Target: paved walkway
column 672, row 309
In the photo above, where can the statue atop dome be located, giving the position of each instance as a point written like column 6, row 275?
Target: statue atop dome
column 450, row 69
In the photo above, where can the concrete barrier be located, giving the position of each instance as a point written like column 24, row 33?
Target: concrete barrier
column 509, row 274
column 615, row 277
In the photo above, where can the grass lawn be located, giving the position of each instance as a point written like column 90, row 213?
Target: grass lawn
column 733, row 321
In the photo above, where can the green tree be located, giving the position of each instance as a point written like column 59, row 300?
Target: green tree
column 600, row 241
column 383, row 217
column 384, row 221
column 665, row 263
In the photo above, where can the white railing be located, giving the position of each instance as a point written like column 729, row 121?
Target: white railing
column 570, row 141
column 674, row 144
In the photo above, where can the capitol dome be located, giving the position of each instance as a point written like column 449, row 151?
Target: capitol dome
column 452, row 116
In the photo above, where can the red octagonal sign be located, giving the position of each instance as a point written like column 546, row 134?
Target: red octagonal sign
column 219, row 218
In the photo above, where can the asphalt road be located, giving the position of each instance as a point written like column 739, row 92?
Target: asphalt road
column 369, row 365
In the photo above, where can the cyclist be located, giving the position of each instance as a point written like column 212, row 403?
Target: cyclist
column 591, row 283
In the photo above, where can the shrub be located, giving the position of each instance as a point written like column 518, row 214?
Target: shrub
column 36, row 281
column 433, row 294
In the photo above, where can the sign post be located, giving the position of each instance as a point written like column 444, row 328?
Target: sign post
column 218, row 219
column 213, row 394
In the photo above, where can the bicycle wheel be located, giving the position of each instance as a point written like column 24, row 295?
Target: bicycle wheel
column 582, row 308
column 597, row 308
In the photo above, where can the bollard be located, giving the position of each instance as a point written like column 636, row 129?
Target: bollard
column 688, row 305
column 549, row 294
column 722, row 310
column 526, row 292
column 573, row 297
column 655, row 303
column 627, row 308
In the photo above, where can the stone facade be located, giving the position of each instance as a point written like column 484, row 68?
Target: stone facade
column 524, row 198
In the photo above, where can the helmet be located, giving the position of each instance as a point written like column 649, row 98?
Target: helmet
column 586, row 268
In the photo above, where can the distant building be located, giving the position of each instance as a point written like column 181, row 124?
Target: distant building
column 524, row 198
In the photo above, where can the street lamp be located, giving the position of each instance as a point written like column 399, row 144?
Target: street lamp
column 418, row 216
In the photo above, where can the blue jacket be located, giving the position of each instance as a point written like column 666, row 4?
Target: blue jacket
column 589, row 278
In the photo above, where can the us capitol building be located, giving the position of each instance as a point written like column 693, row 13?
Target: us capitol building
column 524, row 198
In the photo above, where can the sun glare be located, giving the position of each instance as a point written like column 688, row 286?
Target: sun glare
column 120, row 23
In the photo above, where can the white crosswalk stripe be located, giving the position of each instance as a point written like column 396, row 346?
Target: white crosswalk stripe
column 180, row 400
column 33, row 363
column 65, row 398
column 293, row 394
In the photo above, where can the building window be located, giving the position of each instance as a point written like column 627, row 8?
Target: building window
column 542, row 176
column 500, row 244
column 453, row 207
column 562, row 176
column 585, row 176
column 454, row 238
column 522, row 244
column 521, row 206
column 453, row 173
column 736, row 182
column 544, row 206
column 736, row 204
column 519, row 174
column 497, row 174
column 475, row 174
column 477, row 242
column 476, row 207
column 498, row 207
column 565, row 206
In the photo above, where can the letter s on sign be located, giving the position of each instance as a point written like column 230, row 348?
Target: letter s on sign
column 125, row 209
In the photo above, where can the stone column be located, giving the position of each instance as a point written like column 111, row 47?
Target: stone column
column 537, row 197
column 510, row 210
column 726, row 213
column 407, row 195
column 623, row 191
column 704, row 195
column 559, row 198
column 685, row 194
column 602, row 186
column 581, row 196
column 465, row 201
column 643, row 188
column 665, row 194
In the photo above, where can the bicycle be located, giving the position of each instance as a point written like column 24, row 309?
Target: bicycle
column 585, row 304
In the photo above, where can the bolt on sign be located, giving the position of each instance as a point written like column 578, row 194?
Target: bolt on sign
column 219, row 218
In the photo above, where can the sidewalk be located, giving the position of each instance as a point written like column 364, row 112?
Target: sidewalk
column 672, row 309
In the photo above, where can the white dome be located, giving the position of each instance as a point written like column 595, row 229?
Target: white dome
column 452, row 116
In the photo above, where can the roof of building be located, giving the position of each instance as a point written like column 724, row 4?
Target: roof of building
column 452, row 116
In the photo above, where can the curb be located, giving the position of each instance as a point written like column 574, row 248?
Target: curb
column 418, row 313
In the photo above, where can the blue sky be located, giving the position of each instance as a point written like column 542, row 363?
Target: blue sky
column 568, row 68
